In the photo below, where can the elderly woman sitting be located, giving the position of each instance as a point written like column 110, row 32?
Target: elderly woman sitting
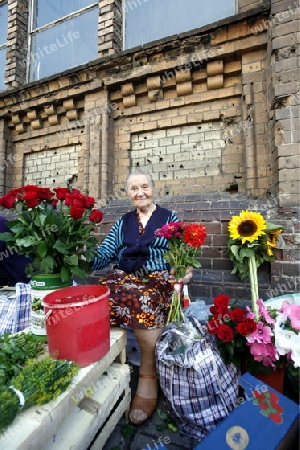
column 140, row 283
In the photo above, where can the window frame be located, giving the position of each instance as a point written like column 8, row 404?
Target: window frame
column 236, row 9
column 32, row 32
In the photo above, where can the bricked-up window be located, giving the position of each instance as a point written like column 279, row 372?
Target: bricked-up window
column 63, row 34
column 3, row 43
column 148, row 20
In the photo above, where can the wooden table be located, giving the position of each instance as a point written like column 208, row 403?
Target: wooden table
column 85, row 415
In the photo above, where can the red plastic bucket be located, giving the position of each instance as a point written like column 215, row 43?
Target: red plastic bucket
column 77, row 323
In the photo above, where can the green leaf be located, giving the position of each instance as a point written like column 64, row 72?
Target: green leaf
column 193, row 262
column 272, row 227
column 5, row 236
column 235, row 250
column 61, row 247
column 246, row 253
column 162, row 414
column 128, row 430
column 75, row 270
column 42, row 249
column 172, row 427
column 71, row 260
column 65, row 273
column 47, row 264
column 28, row 241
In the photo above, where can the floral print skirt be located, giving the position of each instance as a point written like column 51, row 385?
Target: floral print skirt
column 138, row 303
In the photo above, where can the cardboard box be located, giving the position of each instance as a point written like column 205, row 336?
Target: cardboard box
column 264, row 419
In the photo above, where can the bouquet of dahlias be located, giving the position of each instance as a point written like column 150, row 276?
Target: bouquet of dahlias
column 184, row 242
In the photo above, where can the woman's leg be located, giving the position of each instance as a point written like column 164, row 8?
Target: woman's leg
column 147, row 387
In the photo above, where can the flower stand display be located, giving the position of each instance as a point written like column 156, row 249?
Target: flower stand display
column 85, row 415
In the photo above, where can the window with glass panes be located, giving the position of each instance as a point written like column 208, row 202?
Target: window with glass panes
column 148, row 20
column 3, row 42
column 63, row 34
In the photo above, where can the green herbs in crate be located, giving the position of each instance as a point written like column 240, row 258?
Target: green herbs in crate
column 37, row 383
column 15, row 350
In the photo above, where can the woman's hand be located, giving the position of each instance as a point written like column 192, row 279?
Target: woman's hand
column 186, row 279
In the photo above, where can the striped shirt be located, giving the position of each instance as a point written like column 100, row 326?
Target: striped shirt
column 129, row 250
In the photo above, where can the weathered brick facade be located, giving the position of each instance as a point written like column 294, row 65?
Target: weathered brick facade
column 213, row 113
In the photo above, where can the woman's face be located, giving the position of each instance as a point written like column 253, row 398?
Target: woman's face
column 140, row 191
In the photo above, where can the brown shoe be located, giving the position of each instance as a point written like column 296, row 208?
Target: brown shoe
column 145, row 405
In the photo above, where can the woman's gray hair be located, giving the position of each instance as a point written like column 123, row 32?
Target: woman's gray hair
column 139, row 172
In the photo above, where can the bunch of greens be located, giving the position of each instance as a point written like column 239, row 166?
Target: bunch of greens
column 15, row 350
column 37, row 383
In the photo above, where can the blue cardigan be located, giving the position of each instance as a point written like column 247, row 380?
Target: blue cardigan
column 131, row 251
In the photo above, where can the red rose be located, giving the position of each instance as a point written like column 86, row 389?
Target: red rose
column 76, row 213
column 77, row 200
column 246, row 327
column 96, row 216
column 61, row 193
column 238, row 314
column 222, row 300
column 44, row 194
column 30, row 187
column 225, row 333
column 89, row 202
column 219, row 311
column 251, row 324
column 8, row 200
column 31, row 199
column 69, row 199
column 213, row 326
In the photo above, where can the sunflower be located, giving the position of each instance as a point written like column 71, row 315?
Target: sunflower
column 271, row 242
column 248, row 226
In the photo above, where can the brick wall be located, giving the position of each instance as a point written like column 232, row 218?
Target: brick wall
column 284, row 100
column 17, row 42
column 51, row 168
column 211, row 113
column 180, row 152
column 110, row 27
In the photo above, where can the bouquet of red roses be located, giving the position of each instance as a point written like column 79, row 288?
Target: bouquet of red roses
column 230, row 326
column 54, row 228
column 184, row 242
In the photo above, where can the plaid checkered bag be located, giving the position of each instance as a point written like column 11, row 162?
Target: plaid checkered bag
column 199, row 388
column 15, row 310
